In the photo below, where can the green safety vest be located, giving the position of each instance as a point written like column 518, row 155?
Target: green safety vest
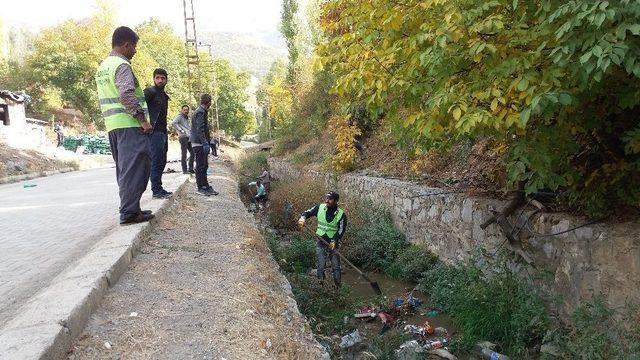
column 114, row 113
column 328, row 228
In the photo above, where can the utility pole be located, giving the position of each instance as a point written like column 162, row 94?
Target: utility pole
column 215, row 89
column 191, row 47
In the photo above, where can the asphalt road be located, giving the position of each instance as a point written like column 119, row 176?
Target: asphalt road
column 43, row 229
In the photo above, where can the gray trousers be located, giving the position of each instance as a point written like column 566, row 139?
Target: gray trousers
column 131, row 152
column 322, row 252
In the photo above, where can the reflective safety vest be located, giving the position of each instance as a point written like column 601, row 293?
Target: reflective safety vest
column 114, row 113
column 328, row 228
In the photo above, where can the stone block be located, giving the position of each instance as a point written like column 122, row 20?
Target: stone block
column 467, row 210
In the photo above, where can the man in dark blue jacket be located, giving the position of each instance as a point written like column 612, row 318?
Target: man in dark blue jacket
column 158, row 103
column 200, row 139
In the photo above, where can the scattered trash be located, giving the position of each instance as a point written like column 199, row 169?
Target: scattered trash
column 421, row 331
column 398, row 302
column 410, row 350
column 436, row 344
column 432, row 313
column 107, row 345
column 345, row 320
column 414, row 302
column 486, row 351
column 209, row 171
column 133, row 314
column 415, row 330
column 29, row 185
column 443, row 353
column 350, row 340
column 386, row 318
column 365, row 312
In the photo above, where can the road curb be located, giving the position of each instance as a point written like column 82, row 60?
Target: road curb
column 33, row 175
column 48, row 323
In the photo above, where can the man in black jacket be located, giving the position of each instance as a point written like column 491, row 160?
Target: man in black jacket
column 158, row 103
column 200, row 139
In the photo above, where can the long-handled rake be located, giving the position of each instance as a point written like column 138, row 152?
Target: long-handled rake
column 374, row 284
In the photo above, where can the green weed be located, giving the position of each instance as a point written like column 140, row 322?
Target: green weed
column 501, row 307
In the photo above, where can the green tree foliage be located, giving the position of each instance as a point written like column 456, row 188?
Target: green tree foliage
column 290, row 29
column 67, row 56
column 159, row 47
column 555, row 81
column 297, row 102
column 234, row 118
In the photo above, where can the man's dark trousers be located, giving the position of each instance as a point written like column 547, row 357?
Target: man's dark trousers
column 201, row 167
column 159, row 147
column 130, row 150
column 322, row 252
column 185, row 146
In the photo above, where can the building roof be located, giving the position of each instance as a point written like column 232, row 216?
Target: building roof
column 8, row 97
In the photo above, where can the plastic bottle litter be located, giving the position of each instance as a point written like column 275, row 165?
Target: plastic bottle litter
column 436, row 344
column 29, row 185
column 365, row 312
column 486, row 352
column 350, row 340
column 489, row 354
column 397, row 302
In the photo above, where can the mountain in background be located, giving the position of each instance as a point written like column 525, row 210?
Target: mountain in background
column 253, row 53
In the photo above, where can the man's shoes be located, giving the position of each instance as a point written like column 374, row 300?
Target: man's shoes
column 192, row 171
column 168, row 193
column 213, row 192
column 146, row 212
column 185, row 172
column 135, row 219
column 205, row 191
column 160, row 195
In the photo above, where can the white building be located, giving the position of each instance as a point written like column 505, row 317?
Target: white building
column 15, row 130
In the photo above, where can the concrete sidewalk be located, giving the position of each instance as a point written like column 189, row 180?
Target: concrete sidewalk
column 77, row 268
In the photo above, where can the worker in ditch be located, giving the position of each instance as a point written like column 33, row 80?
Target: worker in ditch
column 332, row 223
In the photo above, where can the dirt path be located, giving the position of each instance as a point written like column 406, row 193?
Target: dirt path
column 203, row 286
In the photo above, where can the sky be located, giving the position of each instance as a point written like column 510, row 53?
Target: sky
column 237, row 16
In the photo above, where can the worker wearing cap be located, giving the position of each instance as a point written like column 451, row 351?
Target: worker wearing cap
column 332, row 223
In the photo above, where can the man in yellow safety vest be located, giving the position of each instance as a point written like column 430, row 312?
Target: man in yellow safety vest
column 332, row 223
column 126, row 119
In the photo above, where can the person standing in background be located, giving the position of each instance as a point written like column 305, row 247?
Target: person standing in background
column 200, row 140
column 158, row 103
column 58, row 128
column 181, row 124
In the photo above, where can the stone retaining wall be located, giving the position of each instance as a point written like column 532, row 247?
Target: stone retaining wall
column 596, row 259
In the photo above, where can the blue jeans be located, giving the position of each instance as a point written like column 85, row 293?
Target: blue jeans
column 159, row 147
